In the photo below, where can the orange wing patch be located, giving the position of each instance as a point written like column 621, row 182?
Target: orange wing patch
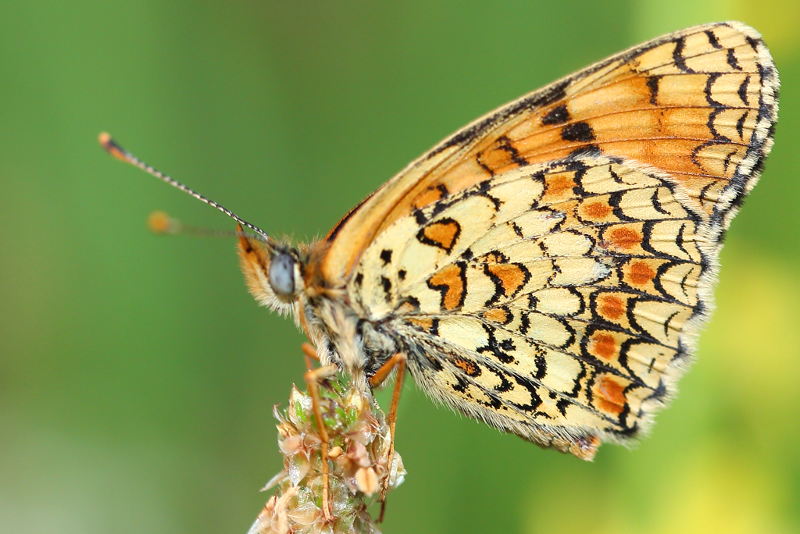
column 603, row 345
column 467, row 366
column 623, row 237
column 498, row 315
column 610, row 394
column 611, row 307
column 427, row 324
column 639, row 272
column 451, row 282
column 442, row 233
column 559, row 186
column 429, row 196
column 596, row 210
column 508, row 277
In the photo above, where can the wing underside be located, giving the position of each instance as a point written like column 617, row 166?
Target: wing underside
column 548, row 267
column 557, row 302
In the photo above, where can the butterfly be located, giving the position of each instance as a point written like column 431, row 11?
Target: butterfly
column 547, row 268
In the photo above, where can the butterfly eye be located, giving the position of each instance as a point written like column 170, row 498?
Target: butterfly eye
column 281, row 275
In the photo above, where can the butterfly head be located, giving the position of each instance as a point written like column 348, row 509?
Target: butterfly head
column 272, row 271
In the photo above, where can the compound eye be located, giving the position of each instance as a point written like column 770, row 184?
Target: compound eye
column 281, row 275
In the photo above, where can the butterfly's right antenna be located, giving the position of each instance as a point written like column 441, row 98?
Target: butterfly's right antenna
column 120, row 153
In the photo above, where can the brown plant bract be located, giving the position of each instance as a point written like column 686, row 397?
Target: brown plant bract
column 358, row 460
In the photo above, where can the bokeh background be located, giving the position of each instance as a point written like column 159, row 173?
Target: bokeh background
column 137, row 377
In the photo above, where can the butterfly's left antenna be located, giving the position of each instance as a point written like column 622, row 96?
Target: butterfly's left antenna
column 120, row 153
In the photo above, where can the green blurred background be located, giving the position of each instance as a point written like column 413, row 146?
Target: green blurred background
column 137, row 377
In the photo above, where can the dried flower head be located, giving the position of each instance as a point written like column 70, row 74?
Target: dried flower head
column 359, row 446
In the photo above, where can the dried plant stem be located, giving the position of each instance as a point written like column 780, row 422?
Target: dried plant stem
column 359, row 454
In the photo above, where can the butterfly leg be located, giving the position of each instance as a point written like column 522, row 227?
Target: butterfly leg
column 312, row 377
column 309, row 353
column 397, row 361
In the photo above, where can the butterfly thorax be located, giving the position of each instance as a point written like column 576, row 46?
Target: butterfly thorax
column 356, row 345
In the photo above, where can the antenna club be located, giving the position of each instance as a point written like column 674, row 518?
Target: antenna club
column 160, row 222
column 111, row 146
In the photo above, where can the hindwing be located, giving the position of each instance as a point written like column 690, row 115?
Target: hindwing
column 556, row 301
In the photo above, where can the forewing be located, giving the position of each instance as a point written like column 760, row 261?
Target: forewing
column 698, row 104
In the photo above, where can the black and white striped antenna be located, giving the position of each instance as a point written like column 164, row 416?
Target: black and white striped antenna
column 113, row 148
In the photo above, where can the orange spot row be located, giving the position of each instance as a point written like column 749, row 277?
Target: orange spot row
column 604, row 345
column 609, row 395
column 639, row 273
column 596, row 210
column 559, row 184
column 611, row 307
column 624, row 238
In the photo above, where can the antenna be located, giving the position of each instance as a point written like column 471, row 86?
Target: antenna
column 162, row 223
column 120, row 153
